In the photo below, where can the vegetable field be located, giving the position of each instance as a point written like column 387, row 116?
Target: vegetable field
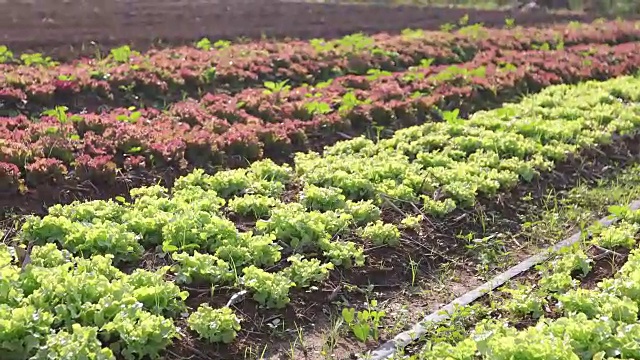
column 312, row 199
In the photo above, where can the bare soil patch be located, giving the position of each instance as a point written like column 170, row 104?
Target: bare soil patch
column 67, row 29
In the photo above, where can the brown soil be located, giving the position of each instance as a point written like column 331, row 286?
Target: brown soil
column 605, row 265
column 71, row 26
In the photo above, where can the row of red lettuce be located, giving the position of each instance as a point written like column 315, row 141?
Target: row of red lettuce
column 198, row 134
column 166, row 75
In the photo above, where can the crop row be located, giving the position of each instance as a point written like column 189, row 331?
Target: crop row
column 126, row 77
column 221, row 129
column 314, row 204
column 574, row 320
column 226, row 229
column 60, row 307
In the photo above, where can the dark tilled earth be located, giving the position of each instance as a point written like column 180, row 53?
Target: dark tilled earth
column 69, row 27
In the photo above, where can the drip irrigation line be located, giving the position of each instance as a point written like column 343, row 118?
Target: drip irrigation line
column 402, row 340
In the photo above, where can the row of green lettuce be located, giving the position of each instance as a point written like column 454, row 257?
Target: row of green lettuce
column 323, row 198
column 232, row 228
column 557, row 316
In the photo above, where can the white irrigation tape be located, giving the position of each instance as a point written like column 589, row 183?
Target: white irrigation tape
column 400, row 341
